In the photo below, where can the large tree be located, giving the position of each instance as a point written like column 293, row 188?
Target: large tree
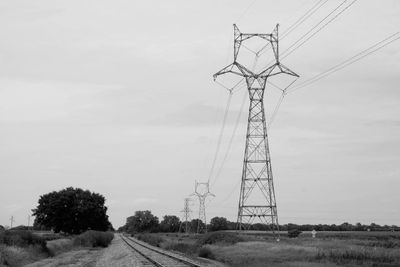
column 72, row 210
column 218, row 224
column 170, row 223
column 142, row 221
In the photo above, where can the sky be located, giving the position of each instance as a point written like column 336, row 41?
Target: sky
column 117, row 97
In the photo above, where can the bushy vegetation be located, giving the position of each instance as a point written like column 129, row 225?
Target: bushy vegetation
column 151, row 239
column 21, row 238
column 142, row 221
column 55, row 247
column 224, row 238
column 351, row 256
column 294, row 233
column 93, row 238
column 183, row 247
column 72, row 211
column 145, row 221
column 206, row 252
column 20, row 247
column 170, row 224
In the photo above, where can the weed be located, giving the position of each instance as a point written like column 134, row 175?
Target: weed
column 93, row 238
column 294, row 233
column 21, row 238
column 151, row 239
column 206, row 252
column 58, row 246
column 185, row 248
column 220, row 238
column 357, row 256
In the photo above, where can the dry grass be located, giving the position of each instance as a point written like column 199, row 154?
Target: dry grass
column 328, row 249
column 94, row 239
column 19, row 256
column 58, row 246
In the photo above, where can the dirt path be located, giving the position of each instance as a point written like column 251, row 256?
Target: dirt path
column 116, row 255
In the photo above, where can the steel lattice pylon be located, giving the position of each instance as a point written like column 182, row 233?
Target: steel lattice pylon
column 257, row 172
column 186, row 216
column 202, row 191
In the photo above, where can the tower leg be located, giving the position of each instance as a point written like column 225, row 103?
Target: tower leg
column 257, row 194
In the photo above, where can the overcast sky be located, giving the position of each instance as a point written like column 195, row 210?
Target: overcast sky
column 117, row 97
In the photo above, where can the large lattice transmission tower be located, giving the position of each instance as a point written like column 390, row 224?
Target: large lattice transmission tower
column 202, row 191
column 257, row 194
column 186, row 218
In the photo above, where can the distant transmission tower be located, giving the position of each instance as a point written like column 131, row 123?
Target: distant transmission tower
column 186, row 216
column 11, row 222
column 202, row 191
column 257, row 195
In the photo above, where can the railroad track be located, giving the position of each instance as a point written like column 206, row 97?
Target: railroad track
column 152, row 256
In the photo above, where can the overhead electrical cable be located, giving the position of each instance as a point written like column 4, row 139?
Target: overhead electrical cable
column 366, row 52
column 234, row 129
column 220, row 134
column 246, row 10
column 286, row 53
column 296, row 24
column 303, row 18
column 313, row 28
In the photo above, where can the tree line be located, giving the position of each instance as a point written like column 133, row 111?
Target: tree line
column 145, row 221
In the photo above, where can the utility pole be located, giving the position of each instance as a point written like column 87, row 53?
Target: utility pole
column 11, row 222
column 29, row 221
column 202, row 191
column 186, row 215
column 257, row 194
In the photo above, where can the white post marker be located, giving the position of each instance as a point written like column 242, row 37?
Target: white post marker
column 313, row 233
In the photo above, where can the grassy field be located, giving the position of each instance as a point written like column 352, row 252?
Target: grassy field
column 22, row 247
column 256, row 249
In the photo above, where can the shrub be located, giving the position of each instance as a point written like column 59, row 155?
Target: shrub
column 21, row 238
column 20, row 256
column 294, row 233
column 347, row 256
column 153, row 240
column 219, row 237
column 93, row 238
column 58, row 246
column 206, row 252
column 185, row 248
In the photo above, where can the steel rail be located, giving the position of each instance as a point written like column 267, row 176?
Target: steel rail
column 159, row 251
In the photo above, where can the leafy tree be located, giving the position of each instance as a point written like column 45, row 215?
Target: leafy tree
column 72, row 210
column 194, row 225
column 142, row 221
column 170, row 223
column 294, row 233
column 218, row 224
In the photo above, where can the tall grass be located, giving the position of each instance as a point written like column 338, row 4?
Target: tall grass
column 223, row 238
column 93, row 238
column 355, row 256
column 58, row 246
column 21, row 238
column 151, row 239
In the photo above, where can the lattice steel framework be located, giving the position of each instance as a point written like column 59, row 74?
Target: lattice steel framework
column 186, row 216
column 202, row 191
column 257, row 176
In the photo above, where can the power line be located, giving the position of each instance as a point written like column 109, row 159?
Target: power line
column 314, row 27
column 372, row 49
column 246, row 10
column 298, row 22
column 303, row 18
column 220, row 135
column 230, row 141
column 286, row 54
column 236, row 124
